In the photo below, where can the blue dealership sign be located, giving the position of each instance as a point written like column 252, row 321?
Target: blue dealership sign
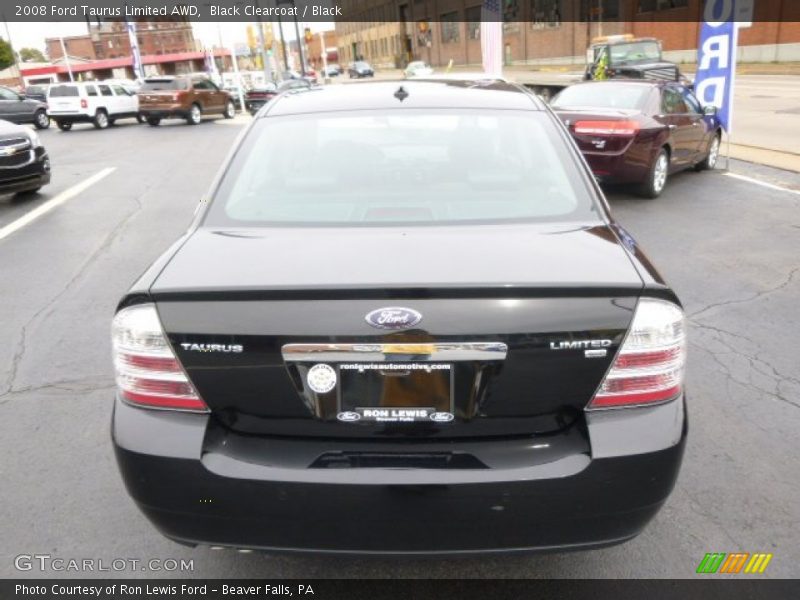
column 716, row 55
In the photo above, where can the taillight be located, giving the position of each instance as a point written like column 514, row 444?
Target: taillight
column 84, row 103
column 148, row 372
column 649, row 366
column 177, row 96
column 607, row 127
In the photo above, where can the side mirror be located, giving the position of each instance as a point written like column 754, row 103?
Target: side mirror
column 710, row 110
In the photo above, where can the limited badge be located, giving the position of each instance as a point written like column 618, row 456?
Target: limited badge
column 321, row 378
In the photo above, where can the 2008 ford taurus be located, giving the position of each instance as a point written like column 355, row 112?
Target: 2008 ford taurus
column 404, row 322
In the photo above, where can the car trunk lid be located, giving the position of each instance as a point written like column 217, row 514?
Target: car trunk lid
column 518, row 325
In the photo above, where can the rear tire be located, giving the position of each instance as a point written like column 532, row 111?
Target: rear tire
column 100, row 120
column 64, row 125
column 710, row 161
column 230, row 110
column 41, row 120
column 195, row 115
column 154, row 121
column 657, row 177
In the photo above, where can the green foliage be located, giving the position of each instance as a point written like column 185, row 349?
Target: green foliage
column 32, row 55
column 6, row 54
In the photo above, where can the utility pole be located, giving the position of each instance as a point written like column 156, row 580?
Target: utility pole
column 283, row 44
column 66, row 57
column 263, row 52
column 299, row 44
column 324, row 53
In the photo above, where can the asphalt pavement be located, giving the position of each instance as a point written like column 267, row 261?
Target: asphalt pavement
column 728, row 243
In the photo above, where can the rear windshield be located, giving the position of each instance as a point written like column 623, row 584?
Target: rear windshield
column 164, row 84
column 409, row 167
column 57, row 91
column 602, row 95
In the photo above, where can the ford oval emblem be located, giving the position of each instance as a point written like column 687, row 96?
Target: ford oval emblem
column 348, row 416
column 393, row 317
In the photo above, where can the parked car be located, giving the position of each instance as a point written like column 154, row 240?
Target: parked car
column 24, row 164
column 183, row 97
column 360, row 69
column 633, row 131
column 233, row 90
column 333, row 70
column 418, row 68
column 260, row 95
column 310, row 76
column 96, row 102
column 36, row 92
column 19, row 109
column 436, row 341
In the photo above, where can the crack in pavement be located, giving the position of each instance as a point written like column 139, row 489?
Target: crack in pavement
column 787, row 280
column 85, row 385
column 48, row 308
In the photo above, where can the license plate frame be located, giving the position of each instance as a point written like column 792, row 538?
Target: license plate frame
column 395, row 392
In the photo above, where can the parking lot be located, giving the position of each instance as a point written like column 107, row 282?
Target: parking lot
column 727, row 242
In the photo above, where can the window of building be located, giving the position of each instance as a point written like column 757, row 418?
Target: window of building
column 599, row 10
column 653, row 5
column 472, row 16
column 546, row 13
column 450, row 28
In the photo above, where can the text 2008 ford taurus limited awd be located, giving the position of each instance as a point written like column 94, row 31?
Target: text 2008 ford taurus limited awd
column 404, row 322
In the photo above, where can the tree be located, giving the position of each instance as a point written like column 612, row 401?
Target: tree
column 6, row 54
column 31, row 55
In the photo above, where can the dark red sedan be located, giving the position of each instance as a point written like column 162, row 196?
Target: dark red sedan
column 639, row 131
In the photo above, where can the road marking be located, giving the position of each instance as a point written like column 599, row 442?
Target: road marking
column 58, row 200
column 771, row 186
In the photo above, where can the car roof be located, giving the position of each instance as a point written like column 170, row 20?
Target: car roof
column 416, row 93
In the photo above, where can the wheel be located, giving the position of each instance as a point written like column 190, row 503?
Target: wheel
column 153, row 121
column 195, row 115
column 64, row 125
column 26, row 193
column 41, row 120
column 230, row 110
column 657, row 178
column 100, row 120
column 710, row 161
column 140, row 118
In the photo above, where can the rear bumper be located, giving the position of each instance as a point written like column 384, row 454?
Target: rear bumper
column 166, row 111
column 617, row 168
column 71, row 118
column 574, row 502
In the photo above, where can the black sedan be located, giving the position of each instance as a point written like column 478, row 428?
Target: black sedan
column 360, row 69
column 16, row 108
column 24, row 163
column 435, row 341
column 640, row 131
column 258, row 96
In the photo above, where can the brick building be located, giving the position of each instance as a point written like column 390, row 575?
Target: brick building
column 109, row 39
column 392, row 32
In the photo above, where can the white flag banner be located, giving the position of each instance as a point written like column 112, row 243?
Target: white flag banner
column 138, row 70
column 492, row 38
